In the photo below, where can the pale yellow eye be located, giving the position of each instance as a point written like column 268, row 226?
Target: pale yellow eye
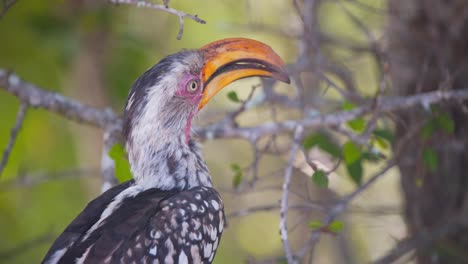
column 192, row 86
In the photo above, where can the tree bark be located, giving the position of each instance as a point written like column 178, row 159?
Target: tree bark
column 428, row 50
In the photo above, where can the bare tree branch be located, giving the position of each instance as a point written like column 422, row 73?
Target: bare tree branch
column 420, row 240
column 108, row 120
column 107, row 163
column 14, row 133
column 165, row 7
column 271, row 207
column 285, row 195
column 26, row 180
column 71, row 109
column 221, row 130
column 6, row 5
column 377, row 101
column 315, row 206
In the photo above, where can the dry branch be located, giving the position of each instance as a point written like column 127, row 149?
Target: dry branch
column 420, row 240
column 285, row 195
column 181, row 15
column 6, row 5
column 108, row 120
column 28, row 180
column 14, row 133
column 71, row 109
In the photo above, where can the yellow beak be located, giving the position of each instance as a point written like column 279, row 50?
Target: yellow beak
column 232, row 59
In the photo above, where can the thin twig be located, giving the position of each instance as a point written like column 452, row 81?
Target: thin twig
column 285, row 194
column 25, row 180
column 6, row 5
column 315, row 167
column 356, row 138
column 107, row 163
column 258, row 154
column 271, row 207
column 298, row 10
column 165, row 8
column 421, row 240
column 376, row 113
column 244, row 103
column 367, row 7
column 13, row 135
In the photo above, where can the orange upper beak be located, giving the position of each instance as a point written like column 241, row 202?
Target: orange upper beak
column 232, row 59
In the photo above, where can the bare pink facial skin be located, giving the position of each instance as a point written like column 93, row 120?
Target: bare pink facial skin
column 193, row 96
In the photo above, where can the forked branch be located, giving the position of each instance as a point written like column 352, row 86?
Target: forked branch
column 181, row 15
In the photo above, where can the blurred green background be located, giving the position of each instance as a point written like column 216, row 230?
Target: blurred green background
column 93, row 51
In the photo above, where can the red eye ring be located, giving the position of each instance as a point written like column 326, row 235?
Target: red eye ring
column 192, row 86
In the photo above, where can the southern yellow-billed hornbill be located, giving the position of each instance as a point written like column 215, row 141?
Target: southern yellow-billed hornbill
column 169, row 213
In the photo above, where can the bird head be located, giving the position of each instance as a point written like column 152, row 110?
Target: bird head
column 164, row 100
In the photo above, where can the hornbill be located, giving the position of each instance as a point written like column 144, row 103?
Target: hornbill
column 169, row 212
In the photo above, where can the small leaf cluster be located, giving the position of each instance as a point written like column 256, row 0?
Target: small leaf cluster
column 439, row 122
column 122, row 167
column 238, row 175
column 334, row 227
column 352, row 154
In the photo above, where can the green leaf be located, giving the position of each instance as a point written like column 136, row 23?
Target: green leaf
column 323, row 142
column 282, row 260
column 348, row 106
column 237, row 179
column 351, row 152
column 235, row 167
column 355, row 171
column 315, row 224
column 232, row 95
column 312, row 140
column 430, row 159
column 442, row 121
column 445, row 121
column 238, row 175
column 384, row 134
column 122, row 167
column 117, row 151
column 428, row 129
column 320, row 178
column 371, row 156
column 331, row 148
column 336, row 226
column 358, row 124
column 381, row 142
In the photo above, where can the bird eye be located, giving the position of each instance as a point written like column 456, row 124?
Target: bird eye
column 192, row 86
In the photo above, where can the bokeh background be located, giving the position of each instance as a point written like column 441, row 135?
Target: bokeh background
column 92, row 51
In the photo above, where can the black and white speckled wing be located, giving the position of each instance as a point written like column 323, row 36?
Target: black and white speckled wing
column 83, row 222
column 186, row 230
column 156, row 227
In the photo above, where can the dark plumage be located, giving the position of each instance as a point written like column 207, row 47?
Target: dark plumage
column 143, row 226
